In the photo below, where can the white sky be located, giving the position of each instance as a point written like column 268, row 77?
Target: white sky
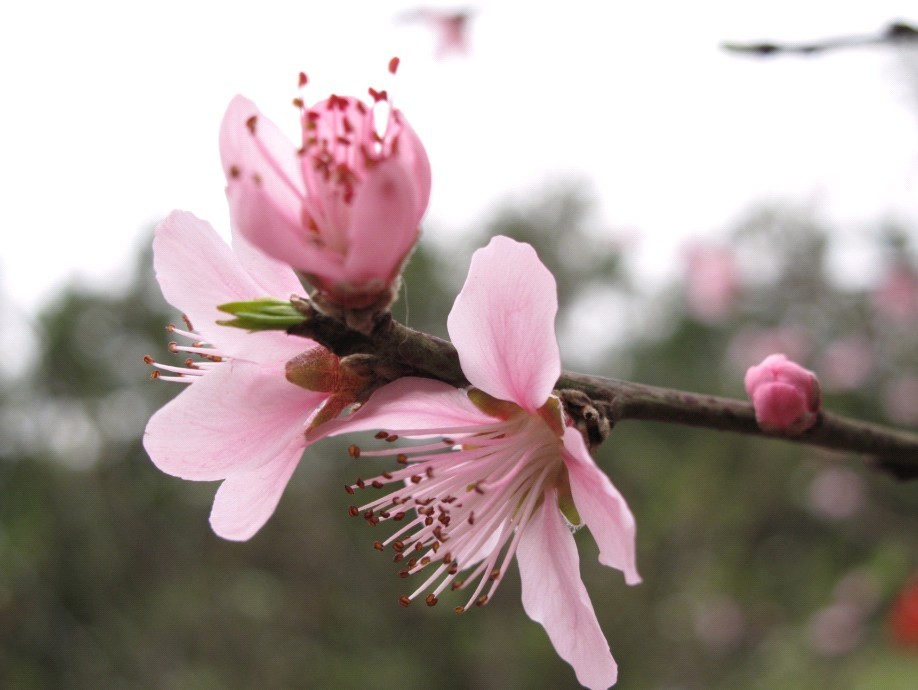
column 111, row 112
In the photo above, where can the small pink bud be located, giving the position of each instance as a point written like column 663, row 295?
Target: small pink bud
column 786, row 397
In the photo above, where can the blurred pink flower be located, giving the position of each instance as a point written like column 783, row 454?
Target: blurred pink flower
column 751, row 345
column 343, row 207
column 896, row 296
column 786, row 397
column 846, row 363
column 240, row 420
column 900, row 400
column 712, row 284
column 450, row 26
column 511, row 477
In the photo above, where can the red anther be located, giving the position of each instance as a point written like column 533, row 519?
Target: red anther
column 251, row 122
column 348, row 127
column 378, row 96
column 373, row 521
column 392, row 438
column 398, row 517
column 482, row 600
column 148, row 360
column 361, row 108
column 404, row 601
column 428, row 522
column 377, row 484
column 187, row 322
column 303, row 80
column 298, row 102
column 154, row 374
column 404, row 573
column 353, row 511
column 173, row 347
column 411, row 563
column 349, row 489
column 378, row 546
column 381, row 435
column 368, row 513
column 458, row 584
column 256, row 178
column 387, row 475
column 459, row 609
column 393, row 65
column 449, row 442
column 354, row 452
column 472, row 518
column 234, row 171
column 435, row 546
column 431, row 600
column 384, row 514
column 425, row 560
column 429, row 472
column 398, row 546
column 418, row 546
column 447, row 558
column 453, row 569
column 398, row 557
column 360, row 483
column 494, row 574
column 401, row 459
column 415, row 478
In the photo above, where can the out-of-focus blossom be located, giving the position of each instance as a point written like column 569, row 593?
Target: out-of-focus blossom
column 712, row 282
column 896, row 296
column 786, row 397
column 903, row 617
column 511, row 477
column 900, row 400
column 751, row 345
column 836, row 493
column 846, row 363
column 239, row 419
column 343, row 206
column 450, row 26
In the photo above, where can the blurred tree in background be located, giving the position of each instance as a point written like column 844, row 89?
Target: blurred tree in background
column 765, row 565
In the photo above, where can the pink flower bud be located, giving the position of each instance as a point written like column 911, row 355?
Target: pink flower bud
column 786, row 397
column 344, row 206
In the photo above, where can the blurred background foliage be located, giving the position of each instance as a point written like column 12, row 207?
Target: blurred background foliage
column 765, row 565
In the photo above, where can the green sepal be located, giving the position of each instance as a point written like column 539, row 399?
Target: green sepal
column 263, row 314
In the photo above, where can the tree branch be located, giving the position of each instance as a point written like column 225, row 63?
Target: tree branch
column 401, row 351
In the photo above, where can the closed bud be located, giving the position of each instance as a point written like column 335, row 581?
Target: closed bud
column 786, row 397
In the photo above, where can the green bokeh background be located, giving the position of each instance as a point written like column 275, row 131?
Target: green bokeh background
column 765, row 565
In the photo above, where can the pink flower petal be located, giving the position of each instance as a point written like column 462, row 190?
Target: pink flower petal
column 386, row 202
column 246, row 500
column 250, row 147
column 238, row 417
column 601, row 507
column 197, row 271
column 409, row 403
column 274, row 230
column 554, row 595
column 503, row 324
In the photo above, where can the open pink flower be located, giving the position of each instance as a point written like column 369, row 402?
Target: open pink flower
column 786, row 397
column 239, row 420
column 509, row 477
column 344, row 206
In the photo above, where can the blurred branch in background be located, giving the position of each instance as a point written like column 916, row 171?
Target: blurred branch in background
column 896, row 33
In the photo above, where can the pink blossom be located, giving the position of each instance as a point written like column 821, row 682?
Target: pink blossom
column 786, row 397
column 239, row 420
column 451, row 28
column 712, row 285
column 896, row 296
column 343, row 207
column 510, row 477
